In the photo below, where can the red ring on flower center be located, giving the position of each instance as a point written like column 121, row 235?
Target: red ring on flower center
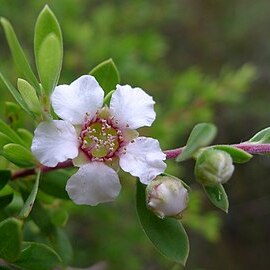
column 100, row 139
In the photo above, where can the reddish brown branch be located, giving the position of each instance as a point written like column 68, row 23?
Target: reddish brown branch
column 251, row 148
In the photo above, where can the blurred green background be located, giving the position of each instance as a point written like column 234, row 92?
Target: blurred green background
column 202, row 60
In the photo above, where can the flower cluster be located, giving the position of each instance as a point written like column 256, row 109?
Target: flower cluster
column 99, row 138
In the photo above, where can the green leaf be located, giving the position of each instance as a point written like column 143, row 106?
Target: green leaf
column 15, row 93
column 13, row 112
column 18, row 54
column 167, row 235
column 18, row 155
column 238, row 155
column 9, row 132
column 59, row 217
column 262, row 136
column 5, row 200
column 29, row 95
column 54, row 183
column 49, row 62
column 201, row 135
column 35, row 256
column 48, row 37
column 62, row 245
column 30, row 200
column 217, row 195
column 26, row 136
column 42, row 218
column 5, row 176
column 10, row 239
column 107, row 75
column 4, row 139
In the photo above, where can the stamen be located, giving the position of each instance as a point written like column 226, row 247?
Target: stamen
column 100, row 139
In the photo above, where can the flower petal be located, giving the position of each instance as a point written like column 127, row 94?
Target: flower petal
column 72, row 102
column 143, row 159
column 54, row 141
column 132, row 107
column 94, row 183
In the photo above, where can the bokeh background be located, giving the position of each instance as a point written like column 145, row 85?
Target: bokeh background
column 202, row 60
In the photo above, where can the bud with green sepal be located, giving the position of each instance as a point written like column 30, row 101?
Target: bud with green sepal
column 167, row 196
column 213, row 167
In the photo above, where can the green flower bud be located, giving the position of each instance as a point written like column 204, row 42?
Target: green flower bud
column 213, row 167
column 166, row 196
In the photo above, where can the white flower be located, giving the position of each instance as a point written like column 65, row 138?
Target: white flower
column 167, row 196
column 99, row 138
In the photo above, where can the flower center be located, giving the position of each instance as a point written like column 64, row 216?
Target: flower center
column 100, row 140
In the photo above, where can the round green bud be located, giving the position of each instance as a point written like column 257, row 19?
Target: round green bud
column 213, row 167
column 167, row 196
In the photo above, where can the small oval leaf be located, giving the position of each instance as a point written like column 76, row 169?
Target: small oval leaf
column 48, row 37
column 167, row 235
column 62, row 245
column 201, row 135
column 11, row 237
column 107, row 75
column 49, row 62
column 9, row 132
column 46, row 23
column 238, row 155
column 18, row 155
column 29, row 95
column 35, row 256
column 26, row 136
column 15, row 93
column 4, row 139
column 217, row 195
column 262, row 136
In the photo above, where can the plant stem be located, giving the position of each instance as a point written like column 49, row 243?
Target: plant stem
column 32, row 171
column 252, row 148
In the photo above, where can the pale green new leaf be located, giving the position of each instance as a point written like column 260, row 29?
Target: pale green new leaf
column 26, row 136
column 46, row 23
column 29, row 95
column 262, row 136
column 18, row 54
column 48, row 46
column 49, row 62
column 4, row 139
column 201, row 135
column 15, row 93
column 18, row 155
